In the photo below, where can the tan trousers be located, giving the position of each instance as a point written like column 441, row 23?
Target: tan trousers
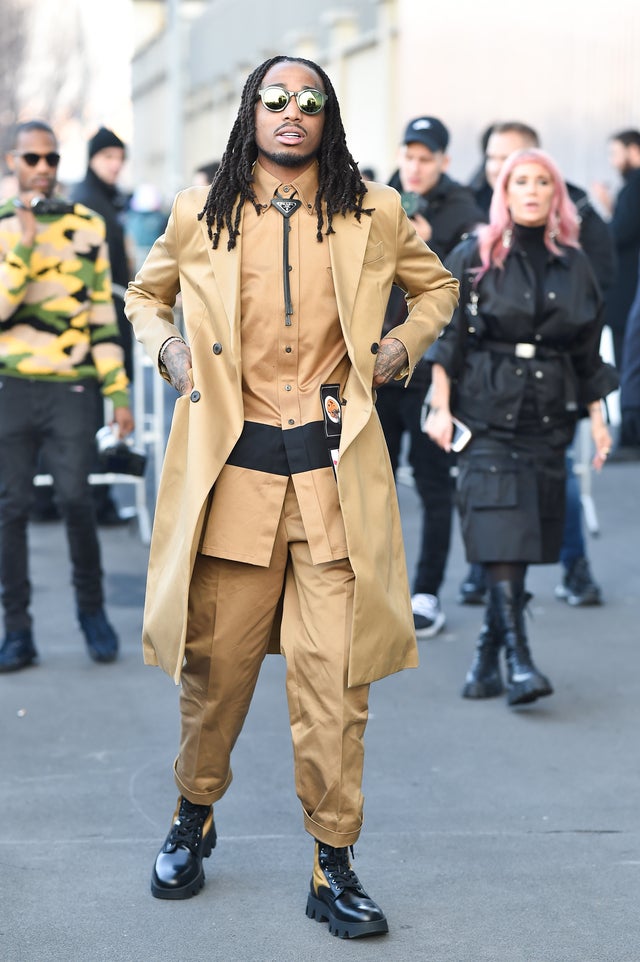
column 231, row 612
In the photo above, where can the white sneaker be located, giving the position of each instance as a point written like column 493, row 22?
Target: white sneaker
column 428, row 619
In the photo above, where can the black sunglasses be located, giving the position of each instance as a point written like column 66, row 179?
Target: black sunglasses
column 275, row 98
column 31, row 160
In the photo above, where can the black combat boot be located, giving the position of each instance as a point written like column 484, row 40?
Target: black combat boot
column 524, row 682
column 337, row 896
column 473, row 590
column 178, row 871
column 18, row 650
column 484, row 678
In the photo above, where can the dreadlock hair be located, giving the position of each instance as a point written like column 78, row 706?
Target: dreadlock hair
column 340, row 186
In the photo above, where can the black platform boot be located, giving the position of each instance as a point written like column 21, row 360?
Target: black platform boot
column 178, row 871
column 484, row 678
column 524, row 682
column 337, row 896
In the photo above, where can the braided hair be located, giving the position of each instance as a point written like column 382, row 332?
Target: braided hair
column 340, row 186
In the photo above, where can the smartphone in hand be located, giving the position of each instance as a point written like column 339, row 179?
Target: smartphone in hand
column 461, row 435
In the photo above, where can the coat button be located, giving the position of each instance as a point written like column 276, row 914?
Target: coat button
column 194, row 396
column 539, row 374
column 217, row 348
column 552, row 295
column 375, row 347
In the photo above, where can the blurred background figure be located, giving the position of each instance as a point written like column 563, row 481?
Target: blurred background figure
column 578, row 586
column 478, row 180
column 146, row 219
column 442, row 211
column 100, row 192
column 203, row 175
column 58, row 349
column 628, row 449
column 367, row 173
column 624, row 209
column 523, row 349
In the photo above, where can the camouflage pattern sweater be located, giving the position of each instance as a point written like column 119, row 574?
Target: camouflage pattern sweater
column 57, row 320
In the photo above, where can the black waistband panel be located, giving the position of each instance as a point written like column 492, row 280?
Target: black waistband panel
column 264, row 447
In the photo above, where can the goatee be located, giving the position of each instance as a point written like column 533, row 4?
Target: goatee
column 286, row 158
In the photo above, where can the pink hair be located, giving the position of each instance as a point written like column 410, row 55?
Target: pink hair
column 563, row 223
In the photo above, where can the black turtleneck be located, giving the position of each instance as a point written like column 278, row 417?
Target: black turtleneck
column 530, row 240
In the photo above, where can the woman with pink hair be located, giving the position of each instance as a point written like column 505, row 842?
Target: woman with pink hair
column 517, row 364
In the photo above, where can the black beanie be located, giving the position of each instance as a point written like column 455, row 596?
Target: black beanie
column 104, row 138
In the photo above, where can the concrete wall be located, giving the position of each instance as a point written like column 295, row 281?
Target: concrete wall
column 570, row 71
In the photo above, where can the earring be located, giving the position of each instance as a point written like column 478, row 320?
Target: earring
column 506, row 237
column 553, row 233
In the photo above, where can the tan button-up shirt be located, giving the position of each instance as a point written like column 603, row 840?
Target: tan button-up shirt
column 283, row 367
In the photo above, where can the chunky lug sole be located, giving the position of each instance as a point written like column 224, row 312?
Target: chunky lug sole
column 160, row 891
column 524, row 692
column 320, row 911
column 483, row 689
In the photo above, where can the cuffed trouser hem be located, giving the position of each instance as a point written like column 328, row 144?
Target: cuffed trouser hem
column 336, row 839
column 200, row 798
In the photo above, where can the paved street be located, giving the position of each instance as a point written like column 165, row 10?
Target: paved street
column 491, row 835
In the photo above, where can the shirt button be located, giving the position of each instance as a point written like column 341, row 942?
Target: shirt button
column 538, row 337
column 291, row 421
column 552, row 296
column 287, row 349
column 509, row 417
column 539, row 374
column 194, row 396
column 527, row 296
column 286, row 188
column 546, row 419
column 287, row 387
column 518, row 370
column 375, row 347
column 217, row 348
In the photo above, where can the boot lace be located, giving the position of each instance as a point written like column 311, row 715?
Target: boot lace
column 186, row 831
column 335, row 864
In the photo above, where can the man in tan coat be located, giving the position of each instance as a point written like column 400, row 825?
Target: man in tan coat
column 277, row 526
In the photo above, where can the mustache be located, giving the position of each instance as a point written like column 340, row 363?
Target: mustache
column 288, row 126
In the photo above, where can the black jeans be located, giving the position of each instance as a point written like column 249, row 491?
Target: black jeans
column 399, row 411
column 58, row 421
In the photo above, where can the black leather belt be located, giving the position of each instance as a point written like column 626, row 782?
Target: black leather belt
column 522, row 349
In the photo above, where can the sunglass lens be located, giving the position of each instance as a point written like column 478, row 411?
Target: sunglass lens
column 274, row 98
column 31, row 160
column 310, row 101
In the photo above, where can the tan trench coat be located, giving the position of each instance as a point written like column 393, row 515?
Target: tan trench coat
column 366, row 258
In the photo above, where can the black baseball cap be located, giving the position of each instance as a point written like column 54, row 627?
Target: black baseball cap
column 428, row 131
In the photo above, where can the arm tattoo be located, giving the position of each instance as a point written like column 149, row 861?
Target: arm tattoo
column 391, row 358
column 177, row 361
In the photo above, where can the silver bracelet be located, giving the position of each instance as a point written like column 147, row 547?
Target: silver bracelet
column 165, row 346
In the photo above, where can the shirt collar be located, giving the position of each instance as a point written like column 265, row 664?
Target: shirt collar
column 305, row 186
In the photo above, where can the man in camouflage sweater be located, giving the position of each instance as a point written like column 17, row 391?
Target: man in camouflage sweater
column 58, row 346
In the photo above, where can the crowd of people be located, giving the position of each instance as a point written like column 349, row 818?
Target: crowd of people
column 332, row 327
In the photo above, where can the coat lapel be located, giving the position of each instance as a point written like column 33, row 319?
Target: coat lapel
column 346, row 248
column 226, row 277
